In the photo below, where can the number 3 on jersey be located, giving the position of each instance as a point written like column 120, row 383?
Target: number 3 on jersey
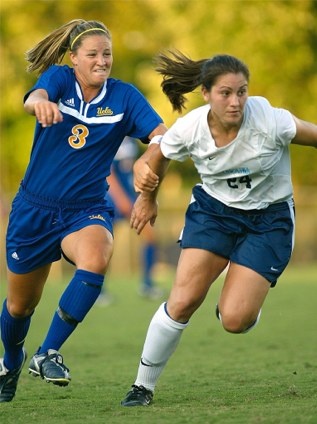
column 78, row 139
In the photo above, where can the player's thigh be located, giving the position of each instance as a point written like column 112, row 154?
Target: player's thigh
column 25, row 290
column 197, row 269
column 89, row 248
column 243, row 294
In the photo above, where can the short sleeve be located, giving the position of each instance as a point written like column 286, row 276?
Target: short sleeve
column 142, row 116
column 285, row 126
column 54, row 81
column 173, row 143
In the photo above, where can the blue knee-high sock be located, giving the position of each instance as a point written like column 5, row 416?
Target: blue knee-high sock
column 149, row 258
column 76, row 301
column 13, row 333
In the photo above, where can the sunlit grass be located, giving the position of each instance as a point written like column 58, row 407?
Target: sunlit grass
column 267, row 376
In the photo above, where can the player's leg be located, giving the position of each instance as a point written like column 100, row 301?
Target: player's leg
column 148, row 260
column 90, row 249
column 196, row 271
column 241, row 299
column 258, row 259
column 24, row 293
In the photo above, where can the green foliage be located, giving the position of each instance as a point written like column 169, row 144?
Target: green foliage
column 267, row 376
column 277, row 39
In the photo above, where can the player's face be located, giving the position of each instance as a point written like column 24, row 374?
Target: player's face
column 227, row 99
column 93, row 60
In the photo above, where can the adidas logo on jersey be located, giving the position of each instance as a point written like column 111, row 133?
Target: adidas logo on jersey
column 70, row 102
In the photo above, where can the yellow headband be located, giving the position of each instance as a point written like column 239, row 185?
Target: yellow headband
column 87, row 30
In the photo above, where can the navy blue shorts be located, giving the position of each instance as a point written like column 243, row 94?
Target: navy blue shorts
column 37, row 227
column 262, row 239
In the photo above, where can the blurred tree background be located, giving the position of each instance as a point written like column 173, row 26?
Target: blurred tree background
column 277, row 39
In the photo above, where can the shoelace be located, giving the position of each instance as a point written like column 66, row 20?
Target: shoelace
column 55, row 357
column 136, row 390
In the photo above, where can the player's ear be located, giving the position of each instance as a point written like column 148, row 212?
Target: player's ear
column 205, row 93
column 73, row 58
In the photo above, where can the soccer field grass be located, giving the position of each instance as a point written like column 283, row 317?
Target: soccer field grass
column 268, row 376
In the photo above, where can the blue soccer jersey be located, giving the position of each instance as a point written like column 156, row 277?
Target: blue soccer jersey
column 71, row 160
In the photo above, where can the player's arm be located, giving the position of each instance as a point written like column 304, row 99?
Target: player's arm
column 144, row 177
column 306, row 133
column 145, row 207
column 46, row 112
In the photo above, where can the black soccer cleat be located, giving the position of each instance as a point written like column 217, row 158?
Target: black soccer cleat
column 138, row 396
column 9, row 380
column 50, row 367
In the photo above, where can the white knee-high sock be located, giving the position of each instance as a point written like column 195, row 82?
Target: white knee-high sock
column 161, row 341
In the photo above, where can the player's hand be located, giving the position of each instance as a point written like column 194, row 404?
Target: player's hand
column 144, row 210
column 144, row 178
column 47, row 113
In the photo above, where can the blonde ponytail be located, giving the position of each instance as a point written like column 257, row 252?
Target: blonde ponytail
column 52, row 48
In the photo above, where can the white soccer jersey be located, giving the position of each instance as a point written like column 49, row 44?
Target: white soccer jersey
column 251, row 172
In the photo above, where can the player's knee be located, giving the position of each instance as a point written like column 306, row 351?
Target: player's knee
column 180, row 310
column 237, row 323
column 19, row 311
column 96, row 264
column 232, row 324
